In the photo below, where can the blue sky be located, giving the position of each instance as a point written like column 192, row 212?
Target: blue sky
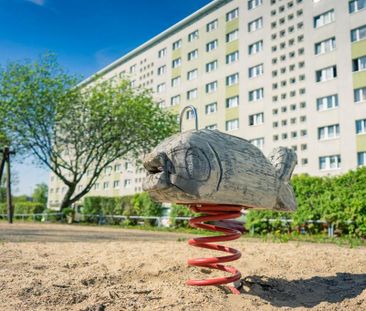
column 86, row 36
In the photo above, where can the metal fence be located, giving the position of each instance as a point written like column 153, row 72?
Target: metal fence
column 330, row 226
column 160, row 221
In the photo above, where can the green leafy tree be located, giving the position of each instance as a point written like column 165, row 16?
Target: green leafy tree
column 40, row 193
column 76, row 131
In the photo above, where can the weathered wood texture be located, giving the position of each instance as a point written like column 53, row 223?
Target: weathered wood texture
column 212, row 167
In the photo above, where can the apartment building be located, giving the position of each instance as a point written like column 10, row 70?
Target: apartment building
column 275, row 72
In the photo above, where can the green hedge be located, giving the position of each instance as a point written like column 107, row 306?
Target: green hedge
column 335, row 200
column 23, row 208
column 180, row 211
column 136, row 205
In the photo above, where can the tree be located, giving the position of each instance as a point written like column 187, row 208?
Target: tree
column 40, row 193
column 77, row 131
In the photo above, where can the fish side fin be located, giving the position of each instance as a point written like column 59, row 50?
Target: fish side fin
column 284, row 161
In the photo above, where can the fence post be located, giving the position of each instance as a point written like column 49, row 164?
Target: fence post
column 331, row 230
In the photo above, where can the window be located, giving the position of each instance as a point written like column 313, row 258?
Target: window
column 324, row 19
column 232, row 79
column 232, row 15
column 133, row 83
column 211, row 87
column 211, row 26
column 211, row 45
column 211, row 127
column 133, row 69
column 255, row 71
column 358, row 33
column 161, row 70
column 161, row 104
column 211, row 66
column 361, row 158
column 255, row 25
column 256, row 119
column 193, row 36
column 327, row 102
column 232, row 125
column 193, row 55
column 232, row 36
column 232, row 102
column 252, row 4
column 106, row 185
column 160, row 87
column 177, row 45
column 117, row 168
column 162, row 53
column 361, row 126
column 328, row 132
column 256, row 95
column 175, row 100
column 211, row 108
column 189, row 115
column 258, row 142
column 326, row 74
column 325, row 46
column 128, row 166
column 116, row 184
column 232, row 57
column 330, row 162
column 192, row 94
column 360, row 95
column 191, row 75
column 359, row 64
column 176, row 81
column 128, row 183
column 256, row 47
column 356, row 5
column 176, row 62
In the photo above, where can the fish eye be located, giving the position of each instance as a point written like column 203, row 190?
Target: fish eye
column 197, row 164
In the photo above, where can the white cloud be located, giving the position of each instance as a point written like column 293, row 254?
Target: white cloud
column 38, row 2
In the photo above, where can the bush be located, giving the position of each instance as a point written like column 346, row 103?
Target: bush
column 23, row 208
column 52, row 216
column 178, row 210
column 96, row 208
column 339, row 200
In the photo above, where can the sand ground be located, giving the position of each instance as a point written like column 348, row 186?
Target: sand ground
column 61, row 267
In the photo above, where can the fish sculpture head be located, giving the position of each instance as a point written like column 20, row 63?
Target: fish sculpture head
column 181, row 170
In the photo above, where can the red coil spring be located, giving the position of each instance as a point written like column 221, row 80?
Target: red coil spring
column 231, row 232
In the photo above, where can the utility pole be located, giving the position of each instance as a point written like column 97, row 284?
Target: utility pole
column 6, row 152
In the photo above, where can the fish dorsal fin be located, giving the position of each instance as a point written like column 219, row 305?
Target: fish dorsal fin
column 284, row 161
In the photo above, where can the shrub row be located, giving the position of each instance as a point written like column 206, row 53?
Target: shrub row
column 339, row 200
column 23, row 208
column 136, row 205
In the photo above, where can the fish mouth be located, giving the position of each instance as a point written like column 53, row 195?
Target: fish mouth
column 159, row 169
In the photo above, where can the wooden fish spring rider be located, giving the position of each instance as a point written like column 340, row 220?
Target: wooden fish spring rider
column 219, row 175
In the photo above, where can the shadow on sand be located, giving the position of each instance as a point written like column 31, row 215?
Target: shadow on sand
column 304, row 292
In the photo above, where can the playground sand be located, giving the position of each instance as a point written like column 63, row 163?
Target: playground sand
column 60, row 267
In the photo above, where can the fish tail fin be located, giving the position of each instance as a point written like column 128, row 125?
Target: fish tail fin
column 286, row 200
column 284, row 161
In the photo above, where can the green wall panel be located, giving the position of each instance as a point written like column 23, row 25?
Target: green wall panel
column 232, row 113
column 359, row 49
column 361, row 142
column 359, row 79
